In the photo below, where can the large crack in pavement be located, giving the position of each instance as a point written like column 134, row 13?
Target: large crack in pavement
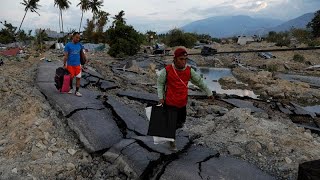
column 81, row 109
column 124, row 148
column 120, row 122
column 205, row 160
column 156, row 169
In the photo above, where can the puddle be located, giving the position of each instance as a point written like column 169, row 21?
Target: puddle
column 212, row 75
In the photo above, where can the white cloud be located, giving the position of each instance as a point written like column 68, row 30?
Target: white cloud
column 157, row 14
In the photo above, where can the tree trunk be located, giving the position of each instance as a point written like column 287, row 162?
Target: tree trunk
column 61, row 21
column 59, row 24
column 81, row 21
column 22, row 19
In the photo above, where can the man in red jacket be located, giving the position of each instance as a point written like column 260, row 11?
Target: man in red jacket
column 172, row 86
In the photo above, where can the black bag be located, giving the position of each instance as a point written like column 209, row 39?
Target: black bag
column 163, row 122
column 82, row 58
column 58, row 78
column 309, row 170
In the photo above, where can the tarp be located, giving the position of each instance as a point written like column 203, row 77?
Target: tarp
column 10, row 52
column 94, row 47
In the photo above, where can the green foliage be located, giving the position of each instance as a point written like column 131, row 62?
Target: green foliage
column 298, row 58
column 88, row 31
column 176, row 37
column 315, row 24
column 118, row 19
column 217, row 40
column 7, row 33
column 283, row 42
column 40, row 37
column 281, row 38
column 314, row 43
column 95, row 27
column 22, row 36
column 151, row 36
column 124, row 40
column 272, row 68
column 302, row 35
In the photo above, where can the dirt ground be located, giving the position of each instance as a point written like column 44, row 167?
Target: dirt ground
column 36, row 143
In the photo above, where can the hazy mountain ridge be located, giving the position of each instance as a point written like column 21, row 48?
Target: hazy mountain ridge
column 227, row 26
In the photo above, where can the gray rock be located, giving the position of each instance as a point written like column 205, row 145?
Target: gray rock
column 235, row 150
column 254, row 147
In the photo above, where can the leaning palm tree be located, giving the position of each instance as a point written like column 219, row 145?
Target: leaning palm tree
column 118, row 19
column 84, row 6
column 62, row 5
column 31, row 5
column 95, row 6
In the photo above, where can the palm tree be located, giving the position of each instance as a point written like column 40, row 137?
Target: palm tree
column 29, row 4
column 119, row 18
column 95, row 6
column 62, row 5
column 84, row 6
column 102, row 20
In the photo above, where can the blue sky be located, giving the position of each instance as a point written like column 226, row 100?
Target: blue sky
column 157, row 15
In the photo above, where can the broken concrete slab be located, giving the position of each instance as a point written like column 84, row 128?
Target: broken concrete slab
column 96, row 129
column 131, row 118
column 67, row 103
column 92, row 72
column 140, row 96
column 197, row 94
column 283, row 109
column 188, row 166
column 182, row 140
column 203, row 163
column 47, row 71
column 84, row 83
column 130, row 157
column 313, row 129
column 299, row 110
column 93, row 80
column 107, row 85
column 312, row 80
column 243, row 104
column 315, row 109
column 231, row 168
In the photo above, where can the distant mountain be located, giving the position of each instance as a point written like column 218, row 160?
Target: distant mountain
column 299, row 22
column 227, row 26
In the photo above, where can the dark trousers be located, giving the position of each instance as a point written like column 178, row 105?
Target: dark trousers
column 181, row 115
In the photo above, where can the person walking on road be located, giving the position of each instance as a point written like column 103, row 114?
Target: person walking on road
column 172, row 86
column 71, row 61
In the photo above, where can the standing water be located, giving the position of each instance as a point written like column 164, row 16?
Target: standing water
column 211, row 77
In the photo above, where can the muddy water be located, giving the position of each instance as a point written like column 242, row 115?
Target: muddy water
column 212, row 75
